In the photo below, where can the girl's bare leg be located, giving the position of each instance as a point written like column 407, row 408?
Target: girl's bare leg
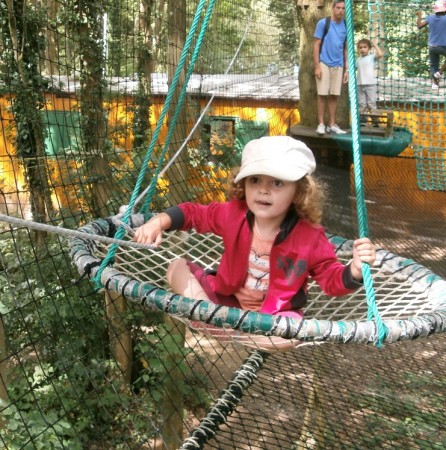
column 183, row 282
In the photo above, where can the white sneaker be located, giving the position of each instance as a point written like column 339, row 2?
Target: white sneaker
column 320, row 130
column 437, row 75
column 435, row 86
column 336, row 130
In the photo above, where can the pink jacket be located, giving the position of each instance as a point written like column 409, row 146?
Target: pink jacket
column 300, row 250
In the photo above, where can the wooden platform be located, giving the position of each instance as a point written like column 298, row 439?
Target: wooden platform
column 379, row 117
column 311, row 132
column 324, row 148
column 337, row 150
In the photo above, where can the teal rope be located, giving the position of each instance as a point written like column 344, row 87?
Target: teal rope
column 121, row 231
column 195, row 55
column 372, row 311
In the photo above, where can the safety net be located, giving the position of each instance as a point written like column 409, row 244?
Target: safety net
column 86, row 109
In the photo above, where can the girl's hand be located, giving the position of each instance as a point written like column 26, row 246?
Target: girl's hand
column 363, row 252
column 151, row 233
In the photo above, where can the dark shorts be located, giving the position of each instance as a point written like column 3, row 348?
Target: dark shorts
column 203, row 278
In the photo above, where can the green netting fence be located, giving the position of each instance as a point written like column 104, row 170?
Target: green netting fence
column 82, row 86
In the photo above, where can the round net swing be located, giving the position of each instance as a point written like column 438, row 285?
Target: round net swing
column 410, row 298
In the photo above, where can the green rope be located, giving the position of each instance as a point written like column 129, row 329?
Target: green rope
column 195, row 55
column 121, row 231
column 358, row 172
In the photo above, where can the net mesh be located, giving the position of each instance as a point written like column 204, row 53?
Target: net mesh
column 82, row 86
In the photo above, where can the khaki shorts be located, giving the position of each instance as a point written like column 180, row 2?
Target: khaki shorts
column 331, row 81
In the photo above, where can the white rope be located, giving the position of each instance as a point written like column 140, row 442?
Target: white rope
column 188, row 138
column 72, row 233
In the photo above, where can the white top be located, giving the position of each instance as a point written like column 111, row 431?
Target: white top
column 366, row 69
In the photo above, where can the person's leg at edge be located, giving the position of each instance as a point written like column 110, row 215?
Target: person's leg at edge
column 371, row 94
column 332, row 107
column 321, row 105
column 362, row 105
column 335, row 86
column 322, row 86
column 434, row 61
column 362, row 98
column 438, row 75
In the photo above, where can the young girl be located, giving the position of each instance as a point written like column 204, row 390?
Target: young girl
column 271, row 235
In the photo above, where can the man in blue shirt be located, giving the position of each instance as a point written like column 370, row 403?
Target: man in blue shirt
column 437, row 38
column 330, row 66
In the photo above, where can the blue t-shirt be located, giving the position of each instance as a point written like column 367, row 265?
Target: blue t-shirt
column 332, row 52
column 437, row 30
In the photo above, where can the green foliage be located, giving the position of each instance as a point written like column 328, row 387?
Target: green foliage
column 43, row 431
column 57, row 336
column 66, row 388
column 361, row 19
column 225, row 31
column 285, row 12
column 121, row 24
column 23, row 76
column 160, row 352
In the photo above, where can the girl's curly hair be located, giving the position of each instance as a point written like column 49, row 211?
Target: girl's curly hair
column 308, row 202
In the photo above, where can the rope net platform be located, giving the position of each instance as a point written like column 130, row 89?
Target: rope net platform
column 89, row 116
column 410, row 298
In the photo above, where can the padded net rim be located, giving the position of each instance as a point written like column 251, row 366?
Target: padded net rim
column 306, row 330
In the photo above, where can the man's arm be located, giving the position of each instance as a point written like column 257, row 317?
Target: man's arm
column 421, row 23
column 316, row 57
column 345, row 79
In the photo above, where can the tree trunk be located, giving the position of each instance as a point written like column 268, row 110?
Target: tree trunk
column 51, row 67
column 119, row 336
column 173, row 384
column 308, row 17
column 177, row 174
column 94, row 122
column 27, row 106
column 143, row 102
column 3, row 368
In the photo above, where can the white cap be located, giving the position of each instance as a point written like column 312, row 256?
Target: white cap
column 280, row 157
column 439, row 6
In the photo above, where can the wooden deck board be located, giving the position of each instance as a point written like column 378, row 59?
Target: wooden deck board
column 325, row 148
column 300, row 130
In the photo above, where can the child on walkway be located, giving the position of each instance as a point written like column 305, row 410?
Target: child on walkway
column 366, row 78
column 272, row 238
column 439, row 75
column 436, row 24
